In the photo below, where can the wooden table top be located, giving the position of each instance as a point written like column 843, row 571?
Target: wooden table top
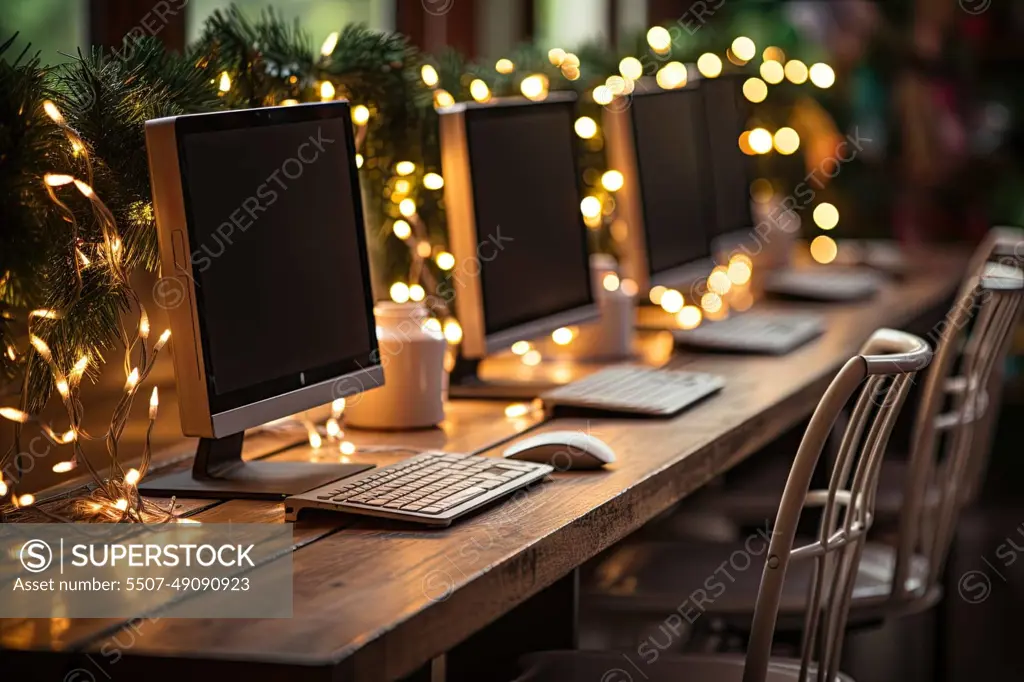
column 377, row 601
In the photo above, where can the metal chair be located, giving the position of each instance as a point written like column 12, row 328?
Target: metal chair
column 883, row 373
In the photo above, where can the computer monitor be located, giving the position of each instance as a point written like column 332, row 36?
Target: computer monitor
column 660, row 145
column 732, row 171
column 512, row 198
column 262, row 243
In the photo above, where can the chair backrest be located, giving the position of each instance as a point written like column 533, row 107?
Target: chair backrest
column 883, row 371
column 954, row 419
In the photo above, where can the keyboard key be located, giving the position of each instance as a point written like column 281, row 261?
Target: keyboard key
column 459, row 497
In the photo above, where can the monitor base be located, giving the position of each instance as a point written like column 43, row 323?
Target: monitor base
column 220, row 473
column 465, row 382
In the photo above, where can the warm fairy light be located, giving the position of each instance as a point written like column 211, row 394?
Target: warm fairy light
column 656, row 294
column 755, row 90
column 3, row 488
column 826, row 216
column 709, row 65
column 225, row 82
column 562, row 336
column 132, row 476
column 407, row 208
column 417, row 293
column 154, row 402
column 63, row 467
column 423, row 249
column 629, row 287
column 786, row 141
column 133, row 379
column 445, row 260
column 556, row 56
column 602, row 95
column 144, row 324
column 659, row 39
column 433, row 181
column 590, row 206
column 585, row 127
column 744, row 48
column 631, row 68
column 824, row 249
column 429, row 75
column 57, row 179
column 773, row 54
column 338, row 406
column 711, row 302
column 402, row 186
column 347, row 448
column 612, row 180
column 773, row 72
column 26, row 500
column 738, row 272
column 289, row 102
column 534, row 87
column 162, row 340
column 610, row 282
column 360, row 115
column 744, row 143
column 40, row 346
column 315, row 441
column 504, row 66
column 731, row 56
column 121, row 504
column 719, row 282
column 401, row 229
column 405, row 168
column 53, row 112
column 85, row 189
column 329, row 44
column 822, row 75
column 479, row 91
column 443, row 99
column 189, row 522
column 69, row 436
column 399, row 292
column 327, row 91
column 45, row 313
column 359, row 160
column 13, row 414
column 452, row 331
column 761, row 190
column 760, row 140
column 796, row 72
column 671, row 301
column 516, row 410
column 617, row 85
column 671, row 76
column 11, row 353
column 333, row 429
column 62, row 388
column 689, row 317
column 521, row 347
column 531, row 358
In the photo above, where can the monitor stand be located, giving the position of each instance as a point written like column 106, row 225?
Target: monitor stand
column 220, row 473
column 465, row 382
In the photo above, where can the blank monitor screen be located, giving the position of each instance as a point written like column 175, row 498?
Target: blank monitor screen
column 533, row 251
column 670, row 134
column 732, row 169
column 278, row 252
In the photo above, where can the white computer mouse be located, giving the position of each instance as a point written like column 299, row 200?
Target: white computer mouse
column 564, row 450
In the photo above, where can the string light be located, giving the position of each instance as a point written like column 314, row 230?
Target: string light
column 562, row 336
column 45, row 313
column 85, row 189
column 26, row 500
column 773, row 54
column 327, row 91
column 590, row 207
column 57, row 179
column 602, row 95
column 786, row 141
column 534, row 87
column 521, row 347
column 631, row 68
column 13, row 414
column 452, row 330
column 63, row 467
column 796, row 72
column 329, row 44
column 225, row 82
column 401, row 229
column 433, row 181
column 585, row 127
column 629, row 287
column 773, row 72
column 143, row 324
column 504, row 66
column 760, row 140
column 399, row 292
column 407, row 208
column 739, row 272
column 443, row 99
column 423, row 249
column 359, row 160
column 132, row 381
column 3, row 488
column 338, row 406
column 824, row 249
column 132, row 477
column 719, row 282
column 612, row 180
column 121, row 504
column 556, row 56
column 402, row 186
column 479, row 91
column 656, row 293
column 405, row 168
column 744, row 48
column 445, row 260
column 347, row 448
column 315, row 441
column 610, row 282
column 429, row 75
column 711, row 302
column 709, row 65
column 360, row 115
column 531, row 358
column 744, row 143
column 826, row 216
column 69, row 436
column 417, row 293
column 160, row 342
column 671, row 76
column 755, row 90
column 671, row 301
column 516, row 410
column 40, row 346
column 154, row 403
column 62, row 388
column 659, row 39
column 289, row 102
column 822, row 75
column 689, row 317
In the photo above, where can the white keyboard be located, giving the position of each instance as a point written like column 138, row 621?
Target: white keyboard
column 635, row 390
column 825, row 283
column 767, row 333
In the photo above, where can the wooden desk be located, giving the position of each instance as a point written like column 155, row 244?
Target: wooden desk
column 375, row 602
